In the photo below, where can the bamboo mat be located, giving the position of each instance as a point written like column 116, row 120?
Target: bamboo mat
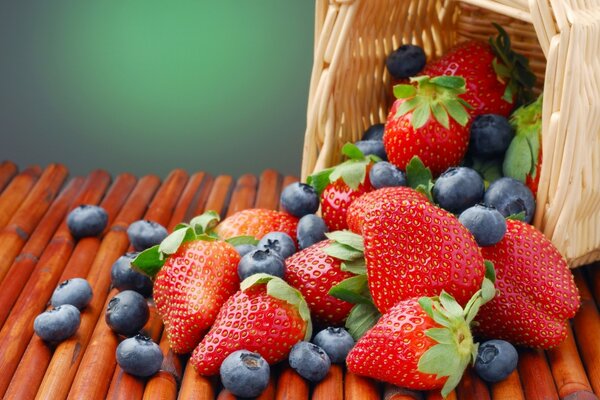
column 37, row 252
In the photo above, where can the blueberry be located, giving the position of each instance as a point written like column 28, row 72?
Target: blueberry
column 374, row 132
column 75, row 291
column 279, row 242
column 496, row 359
column 374, row 147
column 87, row 220
column 144, row 234
column 490, row 135
column 258, row 261
column 383, row 174
column 458, row 189
column 139, row 356
column 406, row 61
column 310, row 361
column 509, row 196
column 244, row 249
column 336, row 342
column 245, row 374
column 124, row 277
column 311, row 229
column 127, row 313
column 57, row 324
column 486, row 224
column 299, row 199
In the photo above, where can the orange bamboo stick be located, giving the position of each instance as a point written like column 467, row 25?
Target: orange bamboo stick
column 195, row 386
column 536, row 377
column 163, row 205
column 586, row 326
column 164, row 387
column 510, row 388
column 291, row 386
column 332, row 387
column 391, row 392
column 268, row 190
column 226, row 395
column 594, row 280
column 8, row 170
column 436, row 395
column 360, row 388
column 269, row 392
column 219, row 194
column 194, row 195
column 471, row 387
column 14, row 194
column 15, row 234
column 244, row 194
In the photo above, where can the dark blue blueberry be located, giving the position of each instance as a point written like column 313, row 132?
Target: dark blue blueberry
column 127, row 313
column 458, row 189
column 57, row 324
column 278, row 242
column 139, row 356
column 383, row 174
column 486, row 224
column 124, row 277
column 406, row 61
column 87, row 220
column 510, row 197
column 76, row 292
column 261, row 261
column 144, row 234
column 311, row 229
column 496, row 359
column 374, row 147
column 299, row 199
column 244, row 249
column 336, row 342
column 310, row 361
column 490, row 135
column 374, row 132
column 245, row 374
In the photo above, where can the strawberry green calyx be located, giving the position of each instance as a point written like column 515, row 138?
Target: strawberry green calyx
column 437, row 96
column 279, row 289
column 419, row 177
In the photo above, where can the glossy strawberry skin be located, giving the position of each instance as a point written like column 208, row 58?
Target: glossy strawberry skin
column 413, row 248
column 390, row 351
column 191, row 287
column 335, row 200
column 257, row 222
column 536, row 293
column 250, row 320
column 313, row 273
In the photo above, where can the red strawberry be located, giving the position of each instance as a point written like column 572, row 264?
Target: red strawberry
column 536, row 292
column 257, row 222
column 410, row 349
column 313, row 272
column 413, row 248
column 266, row 316
column 335, row 200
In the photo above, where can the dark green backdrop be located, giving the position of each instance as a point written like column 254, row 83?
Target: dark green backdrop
column 148, row 86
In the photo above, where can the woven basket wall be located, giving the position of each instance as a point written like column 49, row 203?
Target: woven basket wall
column 350, row 89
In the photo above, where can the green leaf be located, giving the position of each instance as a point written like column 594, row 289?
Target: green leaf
column 427, row 305
column 353, row 290
column 238, row 240
column 418, row 175
column 450, row 82
column 440, row 335
column 343, row 252
column 149, row 261
column 205, row 222
column 421, row 115
column 457, row 111
column 440, row 360
column 488, row 291
column 440, row 114
column 358, row 266
column 517, row 217
column 518, row 159
column 455, row 377
column 489, row 169
column 450, row 304
column 348, row 238
column 441, row 318
column 404, row 91
column 172, row 242
column 180, row 226
column 320, row 180
column 407, row 106
column 473, row 309
column 278, row 288
column 490, row 271
column 351, row 151
column 352, row 172
column 362, row 317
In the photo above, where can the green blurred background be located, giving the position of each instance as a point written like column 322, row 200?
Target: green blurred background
column 149, row 86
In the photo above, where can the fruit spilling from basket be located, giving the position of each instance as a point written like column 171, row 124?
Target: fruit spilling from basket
column 423, row 247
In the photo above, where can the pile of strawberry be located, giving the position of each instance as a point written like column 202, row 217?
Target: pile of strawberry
column 404, row 276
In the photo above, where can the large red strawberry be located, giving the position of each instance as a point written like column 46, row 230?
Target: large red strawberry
column 195, row 275
column 536, row 292
column 266, row 316
column 314, row 272
column 335, row 200
column 413, row 248
column 257, row 222
column 420, row 344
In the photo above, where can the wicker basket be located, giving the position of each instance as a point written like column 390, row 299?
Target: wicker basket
column 350, row 85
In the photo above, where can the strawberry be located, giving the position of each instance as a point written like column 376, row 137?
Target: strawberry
column 257, row 222
column 266, row 316
column 194, row 275
column 314, row 272
column 536, row 291
column 420, row 343
column 335, row 200
column 413, row 248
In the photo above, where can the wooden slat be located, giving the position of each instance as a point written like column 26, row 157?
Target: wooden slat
column 219, row 195
column 471, row 387
column 193, row 196
column 332, row 386
column 244, row 194
column 8, row 170
column 510, row 388
column 14, row 194
column 269, row 189
column 391, row 392
column 360, row 388
column 291, row 386
column 536, row 377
